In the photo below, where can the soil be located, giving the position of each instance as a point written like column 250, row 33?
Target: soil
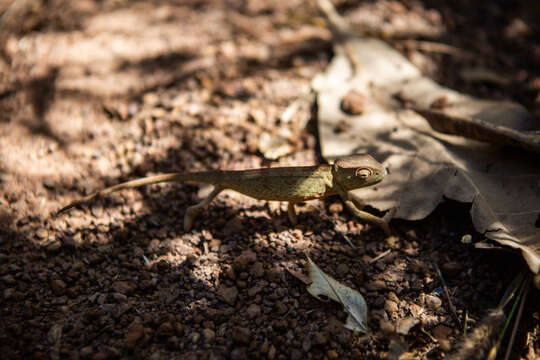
column 93, row 93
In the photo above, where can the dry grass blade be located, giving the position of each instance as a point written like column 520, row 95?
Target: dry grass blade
column 480, row 343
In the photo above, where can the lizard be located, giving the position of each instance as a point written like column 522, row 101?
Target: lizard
column 293, row 184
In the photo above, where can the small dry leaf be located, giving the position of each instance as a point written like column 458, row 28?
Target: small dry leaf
column 353, row 302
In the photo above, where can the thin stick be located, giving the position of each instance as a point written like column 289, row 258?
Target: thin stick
column 447, row 294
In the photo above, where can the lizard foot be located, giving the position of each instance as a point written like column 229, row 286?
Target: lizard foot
column 189, row 217
column 291, row 212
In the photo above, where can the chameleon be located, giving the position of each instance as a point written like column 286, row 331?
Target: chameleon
column 289, row 184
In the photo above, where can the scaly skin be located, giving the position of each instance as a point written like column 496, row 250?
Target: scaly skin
column 291, row 184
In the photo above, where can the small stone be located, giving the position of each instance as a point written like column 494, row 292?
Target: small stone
column 332, row 354
column 253, row 311
column 296, row 354
column 9, row 279
column 306, row 344
column 215, row 244
column 257, row 269
column 272, row 352
column 120, row 298
column 354, row 103
column 228, row 294
column 165, row 329
column 391, row 307
column 123, row 287
column 241, row 335
column 342, row 269
column 238, row 354
column 86, row 352
column 452, row 268
column 54, row 247
column 208, row 335
column 386, row 327
column 320, row 338
column 254, row 290
column 42, row 233
column 106, row 352
column 194, row 337
column 376, row 285
column 179, row 328
column 433, row 302
column 392, row 241
column 275, row 274
column 134, row 333
column 335, row 208
column 58, row 287
column 281, row 308
column 243, row 260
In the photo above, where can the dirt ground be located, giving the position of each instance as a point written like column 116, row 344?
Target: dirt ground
column 93, row 93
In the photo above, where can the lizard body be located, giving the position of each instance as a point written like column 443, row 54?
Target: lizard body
column 291, row 184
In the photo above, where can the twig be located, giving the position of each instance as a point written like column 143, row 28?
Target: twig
column 447, row 294
column 380, row 256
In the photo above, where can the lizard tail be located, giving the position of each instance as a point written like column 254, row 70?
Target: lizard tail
column 174, row 177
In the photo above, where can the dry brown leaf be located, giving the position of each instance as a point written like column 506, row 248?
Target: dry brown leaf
column 352, row 301
column 426, row 166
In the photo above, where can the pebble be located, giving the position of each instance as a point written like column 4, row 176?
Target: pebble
column 42, row 233
column 452, row 268
column 165, row 329
column 242, row 261
column 179, row 328
column 253, row 311
column 54, row 247
column 9, row 279
column 241, row 335
column 123, row 287
column 58, row 286
column 272, row 352
column 194, row 337
column 375, row 285
column 296, row 354
column 208, row 335
column 228, row 294
column 391, row 307
column 433, row 302
column 275, row 274
column 86, row 352
column 133, row 334
column 281, row 308
column 335, row 208
column 238, row 354
column 332, row 354
column 342, row 270
column 257, row 269
column 320, row 338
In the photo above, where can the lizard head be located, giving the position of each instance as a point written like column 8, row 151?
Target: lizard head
column 357, row 171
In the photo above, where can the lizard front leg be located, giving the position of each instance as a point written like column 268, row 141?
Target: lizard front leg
column 291, row 211
column 381, row 222
column 193, row 211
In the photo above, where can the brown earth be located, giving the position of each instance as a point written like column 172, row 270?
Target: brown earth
column 96, row 92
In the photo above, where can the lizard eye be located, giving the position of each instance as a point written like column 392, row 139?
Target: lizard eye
column 363, row 173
